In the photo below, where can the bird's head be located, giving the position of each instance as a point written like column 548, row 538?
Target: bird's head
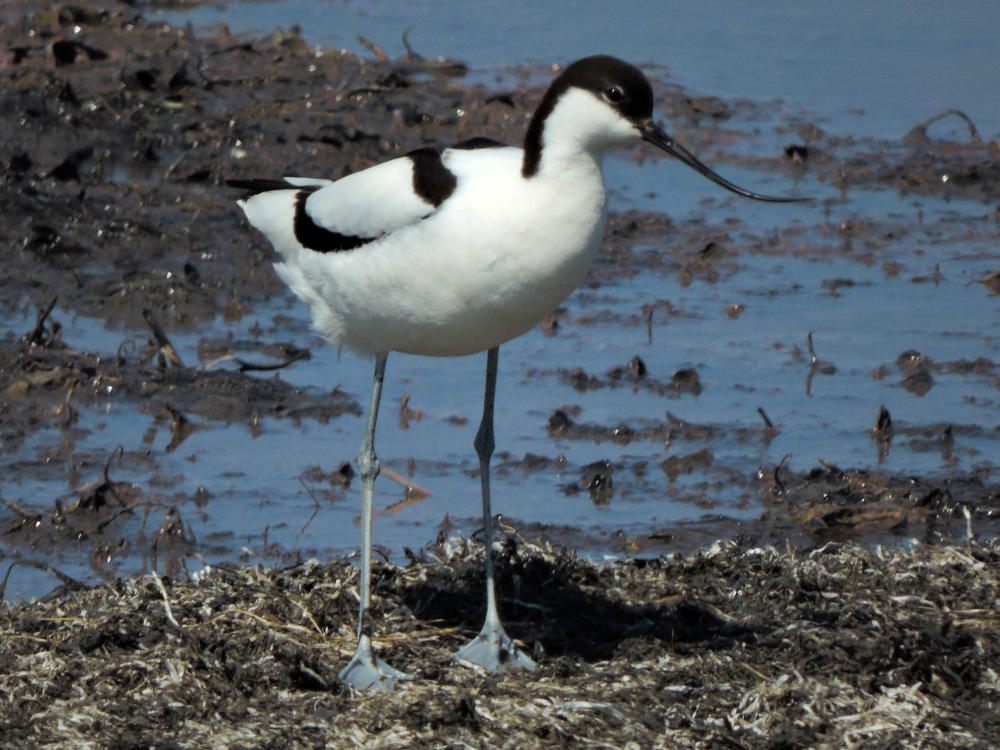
column 602, row 102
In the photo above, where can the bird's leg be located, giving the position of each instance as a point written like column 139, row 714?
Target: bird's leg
column 492, row 649
column 365, row 670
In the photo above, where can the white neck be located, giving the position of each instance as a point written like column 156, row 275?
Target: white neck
column 579, row 130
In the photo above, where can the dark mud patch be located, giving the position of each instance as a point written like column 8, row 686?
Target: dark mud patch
column 935, row 166
column 916, row 371
column 112, row 164
column 44, row 382
column 920, row 163
column 734, row 646
column 832, row 504
column 562, row 425
column 815, row 507
column 925, row 167
column 633, row 375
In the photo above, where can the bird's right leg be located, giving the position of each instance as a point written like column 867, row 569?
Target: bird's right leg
column 492, row 649
column 365, row 670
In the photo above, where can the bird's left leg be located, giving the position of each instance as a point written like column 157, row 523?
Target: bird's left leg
column 365, row 670
column 492, row 649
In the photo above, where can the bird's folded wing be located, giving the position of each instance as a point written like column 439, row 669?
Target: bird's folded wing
column 325, row 216
column 369, row 204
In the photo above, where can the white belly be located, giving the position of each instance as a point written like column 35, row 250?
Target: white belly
column 498, row 257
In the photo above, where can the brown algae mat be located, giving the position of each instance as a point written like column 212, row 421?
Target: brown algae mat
column 730, row 647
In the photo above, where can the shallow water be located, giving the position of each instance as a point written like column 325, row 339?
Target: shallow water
column 814, row 59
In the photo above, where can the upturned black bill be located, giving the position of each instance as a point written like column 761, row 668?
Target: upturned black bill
column 656, row 135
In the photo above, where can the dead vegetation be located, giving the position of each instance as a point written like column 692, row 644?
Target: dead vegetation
column 733, row 646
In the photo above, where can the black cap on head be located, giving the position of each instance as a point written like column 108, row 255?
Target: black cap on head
column 621, row 85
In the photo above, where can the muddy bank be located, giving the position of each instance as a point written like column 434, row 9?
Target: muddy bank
column 118, row 133
column 737, row 645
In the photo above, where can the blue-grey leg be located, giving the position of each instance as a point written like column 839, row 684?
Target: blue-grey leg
column 492, row 649
column 365, row 670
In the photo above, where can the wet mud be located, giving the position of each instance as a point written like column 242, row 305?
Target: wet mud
column 116, row 135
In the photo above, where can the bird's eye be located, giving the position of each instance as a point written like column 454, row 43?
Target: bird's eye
column 614, row 94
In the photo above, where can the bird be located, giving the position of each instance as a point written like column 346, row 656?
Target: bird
column 456, row 251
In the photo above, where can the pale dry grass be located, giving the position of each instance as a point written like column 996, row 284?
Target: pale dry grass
column 843, row 647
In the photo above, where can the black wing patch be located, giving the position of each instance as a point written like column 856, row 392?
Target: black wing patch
column 478, row 142
column 257, row 186
column 432, row 180
column 311, row 235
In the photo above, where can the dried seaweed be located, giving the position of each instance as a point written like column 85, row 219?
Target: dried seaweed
column 734, row 646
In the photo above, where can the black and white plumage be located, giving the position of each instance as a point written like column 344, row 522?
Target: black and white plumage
column 456, row 252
